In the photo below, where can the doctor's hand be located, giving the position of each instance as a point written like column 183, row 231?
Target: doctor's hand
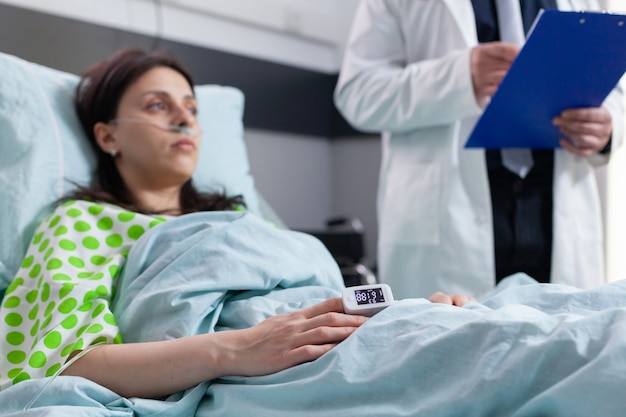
column 586, row 130
column 489, row 64
column 283, row 341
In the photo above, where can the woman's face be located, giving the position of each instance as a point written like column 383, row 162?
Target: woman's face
column 148, row 155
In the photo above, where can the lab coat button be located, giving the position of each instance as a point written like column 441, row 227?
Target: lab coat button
column 480, row 220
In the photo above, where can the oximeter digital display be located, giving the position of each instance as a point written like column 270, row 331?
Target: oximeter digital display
column 366, row 300
column 369, row 296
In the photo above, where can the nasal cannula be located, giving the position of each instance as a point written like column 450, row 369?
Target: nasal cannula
column 163, row 126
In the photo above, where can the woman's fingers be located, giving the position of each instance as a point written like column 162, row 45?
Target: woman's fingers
column 323, row 323
column 460, row 299
column 320, row 335
column 286, row 340
column 309, row 353
column 326, row 306
column 440, row 298
column 456, row 299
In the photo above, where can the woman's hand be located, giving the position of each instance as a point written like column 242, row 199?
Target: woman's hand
column 286, row 340
column 587, row 130
column 157, row 369
column 455, row 300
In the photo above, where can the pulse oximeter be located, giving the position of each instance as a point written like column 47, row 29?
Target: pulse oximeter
column 366, row 300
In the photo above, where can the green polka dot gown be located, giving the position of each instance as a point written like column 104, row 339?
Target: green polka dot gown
column 59, row 301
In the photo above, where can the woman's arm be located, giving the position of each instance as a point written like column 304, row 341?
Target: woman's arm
column 156, row 369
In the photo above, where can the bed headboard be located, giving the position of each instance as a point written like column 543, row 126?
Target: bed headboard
column 43, row 150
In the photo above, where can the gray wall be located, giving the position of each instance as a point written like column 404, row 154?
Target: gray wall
column 307, row 180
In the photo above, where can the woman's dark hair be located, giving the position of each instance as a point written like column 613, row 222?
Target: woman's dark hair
column 96, row 100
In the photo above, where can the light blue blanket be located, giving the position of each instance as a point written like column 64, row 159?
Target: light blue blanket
column 526, row 350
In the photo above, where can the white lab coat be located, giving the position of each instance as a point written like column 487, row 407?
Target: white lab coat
column 406, row 73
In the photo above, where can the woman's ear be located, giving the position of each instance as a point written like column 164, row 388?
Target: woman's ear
column 103, row 133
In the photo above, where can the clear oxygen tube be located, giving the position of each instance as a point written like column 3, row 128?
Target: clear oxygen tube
column 163, row 126
column 56, row 374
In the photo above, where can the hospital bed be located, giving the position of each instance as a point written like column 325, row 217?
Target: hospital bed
column 525, row 350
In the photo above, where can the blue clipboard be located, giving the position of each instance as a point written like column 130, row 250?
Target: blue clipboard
column 570, row 60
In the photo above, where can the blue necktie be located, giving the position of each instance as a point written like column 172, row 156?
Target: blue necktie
column 517, row 160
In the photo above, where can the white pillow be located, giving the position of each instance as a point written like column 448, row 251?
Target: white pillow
column 43, row 150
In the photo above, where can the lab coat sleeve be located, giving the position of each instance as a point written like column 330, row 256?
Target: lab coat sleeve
column 614, row 103
column 379, row 91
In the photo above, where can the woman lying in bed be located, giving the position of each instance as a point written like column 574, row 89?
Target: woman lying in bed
column 139, row 111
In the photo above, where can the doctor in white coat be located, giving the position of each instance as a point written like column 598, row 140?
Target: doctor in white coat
column 407, row 73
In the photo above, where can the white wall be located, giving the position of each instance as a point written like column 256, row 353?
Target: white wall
column 303, row 33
